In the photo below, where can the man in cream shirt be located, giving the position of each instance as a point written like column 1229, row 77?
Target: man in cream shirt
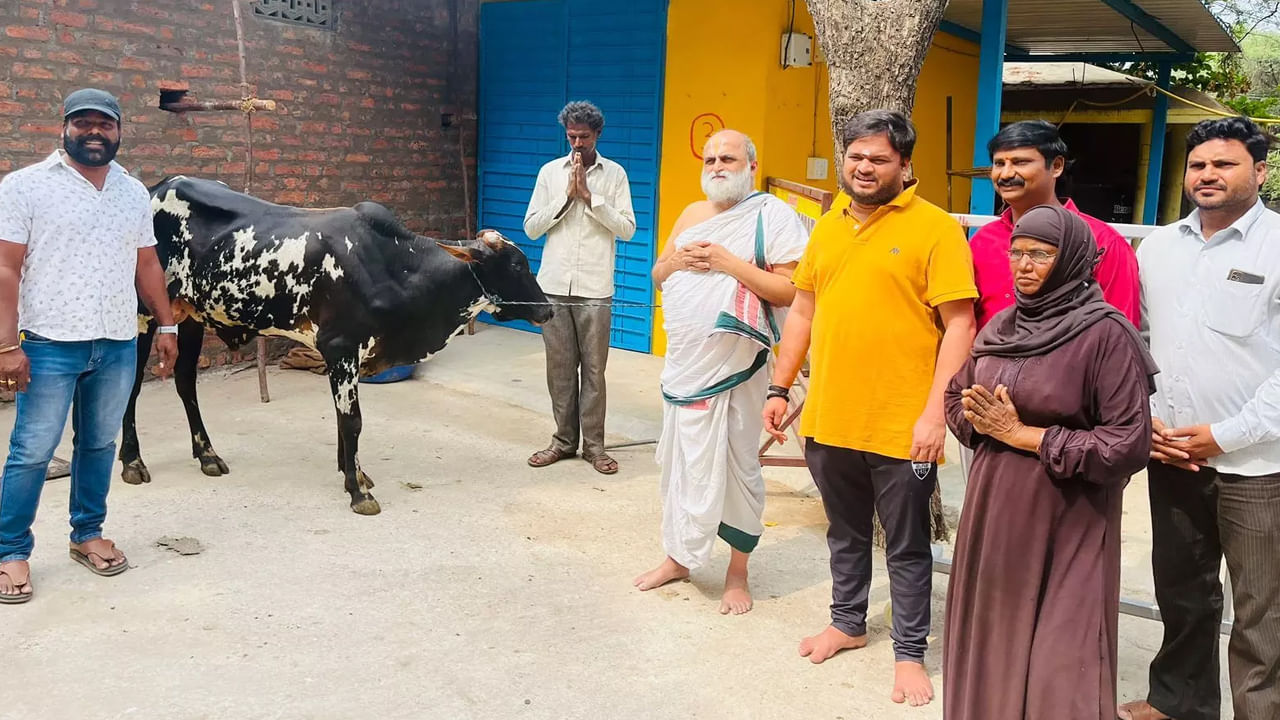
column 1210, row 284
column 581, row 202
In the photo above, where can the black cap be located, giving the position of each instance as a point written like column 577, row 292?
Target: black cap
column 91, row 99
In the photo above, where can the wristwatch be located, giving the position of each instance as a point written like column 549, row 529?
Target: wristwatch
column 167, row 329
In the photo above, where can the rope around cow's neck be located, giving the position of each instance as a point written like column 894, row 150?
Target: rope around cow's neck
column 497, row 301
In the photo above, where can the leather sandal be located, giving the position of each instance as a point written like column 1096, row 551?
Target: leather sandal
column 604, row 464
column 543, row 458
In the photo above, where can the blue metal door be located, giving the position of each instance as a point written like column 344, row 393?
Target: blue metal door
column 536, row 55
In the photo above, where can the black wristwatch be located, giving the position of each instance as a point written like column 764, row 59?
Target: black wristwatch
column 779, row 392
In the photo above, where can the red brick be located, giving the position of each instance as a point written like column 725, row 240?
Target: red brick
column 26, row 32
column 206, row 153
column 33, row 72
column 136, row 63
column 197, row 71
column 70, row 19
column 12, row 108
column 358, row 158
column 64, row 56
column 46, row 129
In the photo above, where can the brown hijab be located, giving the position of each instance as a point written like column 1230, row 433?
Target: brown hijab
column 1068, row 302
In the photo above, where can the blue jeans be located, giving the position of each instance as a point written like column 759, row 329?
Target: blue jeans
column 97, row 377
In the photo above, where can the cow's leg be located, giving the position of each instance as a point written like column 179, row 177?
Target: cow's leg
column 346, row 400
column 342, row 460
column 132, row 469
column 190, row 341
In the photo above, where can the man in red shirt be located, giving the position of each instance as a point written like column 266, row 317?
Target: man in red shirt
column 1026, row 160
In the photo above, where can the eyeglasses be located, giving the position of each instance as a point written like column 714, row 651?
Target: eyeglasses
column 1039, row 257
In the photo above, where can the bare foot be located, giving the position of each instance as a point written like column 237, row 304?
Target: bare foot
column 911, row 683
column 1139, row 710
column 666, row 572
column 737, row 596
column 829, row 642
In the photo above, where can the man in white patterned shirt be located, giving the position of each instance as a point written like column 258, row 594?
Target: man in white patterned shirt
column 76, row 252
column 1211, row 306
column 581, row 202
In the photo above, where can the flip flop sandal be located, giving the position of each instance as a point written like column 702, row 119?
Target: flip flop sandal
column 18, row 597
column 543, row 458
column 86, row 559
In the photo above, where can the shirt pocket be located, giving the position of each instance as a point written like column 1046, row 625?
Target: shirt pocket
column 1236, row 309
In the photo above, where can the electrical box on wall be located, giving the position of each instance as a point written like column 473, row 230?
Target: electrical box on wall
column 797, row 50
column 815, row 168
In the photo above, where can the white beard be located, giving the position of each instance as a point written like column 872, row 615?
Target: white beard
column 729, row 187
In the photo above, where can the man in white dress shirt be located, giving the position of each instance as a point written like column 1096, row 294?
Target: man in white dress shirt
column 581, row 202
column 1211, row 304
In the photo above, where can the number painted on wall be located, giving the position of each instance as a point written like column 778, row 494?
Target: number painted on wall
column 701, row 130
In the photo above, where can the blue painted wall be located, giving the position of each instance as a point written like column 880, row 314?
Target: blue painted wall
column 536, row 55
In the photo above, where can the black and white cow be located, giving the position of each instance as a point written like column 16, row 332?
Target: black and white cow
column 351, row 282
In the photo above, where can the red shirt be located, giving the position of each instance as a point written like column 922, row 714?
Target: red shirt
column 1117, row 272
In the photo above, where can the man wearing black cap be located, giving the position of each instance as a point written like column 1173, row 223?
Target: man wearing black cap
column 76, row 253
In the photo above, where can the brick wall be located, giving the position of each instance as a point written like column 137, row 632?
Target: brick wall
column 358, row 114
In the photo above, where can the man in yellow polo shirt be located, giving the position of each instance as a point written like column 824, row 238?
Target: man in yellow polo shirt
column 884, row 299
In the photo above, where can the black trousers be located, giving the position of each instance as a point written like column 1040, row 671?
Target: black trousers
column 854, row 485
column 1197, row 518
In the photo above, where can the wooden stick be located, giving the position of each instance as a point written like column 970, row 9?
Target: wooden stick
column 247, row 105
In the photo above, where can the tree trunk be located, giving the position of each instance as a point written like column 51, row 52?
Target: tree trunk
column 874, row 51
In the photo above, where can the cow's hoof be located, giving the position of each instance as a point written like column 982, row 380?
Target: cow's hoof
column 213, row 466
column 368, row 506
column 135, row 473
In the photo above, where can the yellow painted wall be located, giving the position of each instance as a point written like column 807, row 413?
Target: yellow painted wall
column 723, row 70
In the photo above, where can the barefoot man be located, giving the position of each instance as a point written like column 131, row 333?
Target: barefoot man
column 885, row 295
column 724, row 274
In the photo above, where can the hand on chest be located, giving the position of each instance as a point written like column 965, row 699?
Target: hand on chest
column 1046, row 389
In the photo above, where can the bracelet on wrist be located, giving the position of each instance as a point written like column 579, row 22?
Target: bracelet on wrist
column 778, row 391
column 9, row 348
column 167, row 329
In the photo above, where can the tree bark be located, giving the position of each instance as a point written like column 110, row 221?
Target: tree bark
column 874, row 51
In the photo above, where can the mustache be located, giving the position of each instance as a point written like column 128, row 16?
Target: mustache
column 1214, row 186
column 1011, row 182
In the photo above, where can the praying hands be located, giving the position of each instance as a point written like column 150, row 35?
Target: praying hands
column 994, row 415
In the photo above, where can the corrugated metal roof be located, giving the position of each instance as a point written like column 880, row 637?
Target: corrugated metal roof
column 1076, row 26
column 1052, row 74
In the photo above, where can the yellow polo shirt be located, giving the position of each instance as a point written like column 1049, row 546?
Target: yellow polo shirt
column 876, row 328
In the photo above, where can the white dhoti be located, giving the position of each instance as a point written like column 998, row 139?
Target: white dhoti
column 719, row 336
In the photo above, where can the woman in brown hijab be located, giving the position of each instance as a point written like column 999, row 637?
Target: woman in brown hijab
column 1054, row 405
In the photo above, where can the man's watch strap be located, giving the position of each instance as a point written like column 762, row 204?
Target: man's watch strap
column 778, row 391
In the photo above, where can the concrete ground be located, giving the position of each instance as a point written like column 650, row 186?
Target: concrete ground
column 485, row 589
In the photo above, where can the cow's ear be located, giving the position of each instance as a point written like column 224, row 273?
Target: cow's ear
column 464, row 254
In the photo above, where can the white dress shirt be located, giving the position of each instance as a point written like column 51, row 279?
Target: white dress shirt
column 1212, row 311
column 579, row 254
column 80, row 268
